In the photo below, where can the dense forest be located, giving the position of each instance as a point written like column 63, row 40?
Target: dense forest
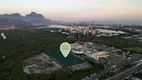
column 22, row 44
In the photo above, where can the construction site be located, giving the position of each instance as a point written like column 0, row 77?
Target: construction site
column 41, row 63
column 54, row 61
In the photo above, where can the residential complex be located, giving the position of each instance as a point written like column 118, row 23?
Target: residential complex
column 7, row 27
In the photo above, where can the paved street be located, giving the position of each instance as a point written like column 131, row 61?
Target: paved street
column 126, row 73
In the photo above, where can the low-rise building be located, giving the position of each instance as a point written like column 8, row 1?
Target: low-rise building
column 88, row 50
column 7, row 27
column 98, row 55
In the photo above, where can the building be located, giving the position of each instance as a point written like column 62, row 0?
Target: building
column 7, row 27
column 88, row 49
column 86, row 30
column 98, row 55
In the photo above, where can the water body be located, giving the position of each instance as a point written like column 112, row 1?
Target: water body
column 111, row 31
column 57, row 26
column 51, row 26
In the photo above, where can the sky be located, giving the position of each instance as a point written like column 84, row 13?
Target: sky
column 76, row 9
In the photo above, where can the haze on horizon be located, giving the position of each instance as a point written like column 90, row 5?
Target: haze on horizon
column 76, row 9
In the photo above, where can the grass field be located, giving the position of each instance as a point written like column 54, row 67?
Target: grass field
column 69, row 61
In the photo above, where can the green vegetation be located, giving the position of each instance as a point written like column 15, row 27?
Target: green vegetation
column 118, row 42
column 22, row 44
column 137, row 49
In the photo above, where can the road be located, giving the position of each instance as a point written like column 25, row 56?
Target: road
column 126, row 73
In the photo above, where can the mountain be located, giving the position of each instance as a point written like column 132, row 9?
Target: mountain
column 35, row 18
column 11, row 21
column 28, row 17
column 32, row 18
column 14, row 16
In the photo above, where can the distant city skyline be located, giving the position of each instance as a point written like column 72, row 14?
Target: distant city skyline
column 76, row 9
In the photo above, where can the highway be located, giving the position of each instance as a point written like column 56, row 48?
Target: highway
column 126, row 73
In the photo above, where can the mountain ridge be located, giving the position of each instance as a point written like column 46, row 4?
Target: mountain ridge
column 32, row 18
